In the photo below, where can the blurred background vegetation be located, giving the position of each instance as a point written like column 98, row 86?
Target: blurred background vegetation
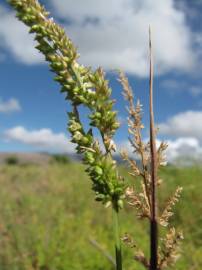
column 48, row 218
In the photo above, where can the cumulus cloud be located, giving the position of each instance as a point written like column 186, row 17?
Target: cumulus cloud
column 14, row 37
column 181, row 149
column 114, row 34
column 186, row 130
column 43, row 139
column 12, row 105
column 184, row 133
column 185, row 124
column 189, row 148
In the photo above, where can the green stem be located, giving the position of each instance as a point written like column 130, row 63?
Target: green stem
column 117, row 238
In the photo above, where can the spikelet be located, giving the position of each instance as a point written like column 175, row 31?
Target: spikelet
column 167, row 213
column 138, row 201
column 161, row 158
column 138, row 254
column 140, row 148
column 170, row 252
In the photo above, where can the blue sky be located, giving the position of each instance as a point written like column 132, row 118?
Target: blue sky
column 113, row 34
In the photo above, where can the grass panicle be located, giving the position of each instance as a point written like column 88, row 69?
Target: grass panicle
column 145, row 200
column 82, row 87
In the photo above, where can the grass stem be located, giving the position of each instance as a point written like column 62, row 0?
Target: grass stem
column 118, row 252
column 153, row 223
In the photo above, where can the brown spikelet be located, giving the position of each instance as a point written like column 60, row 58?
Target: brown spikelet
column 138, row 254
column 140, row 148
column 138, row 200
column 167, row 213
column 170, row 251
column 140, row 257
column 161, row 159
column 135, row 171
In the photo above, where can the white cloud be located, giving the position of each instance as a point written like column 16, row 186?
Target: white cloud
column 188, row 148
column 114, row 34
column 14, row 37
column 187, row 129
column 12, row 105
column 184, row 150
column 43, row 139
column 119, row 38
column 185, row 124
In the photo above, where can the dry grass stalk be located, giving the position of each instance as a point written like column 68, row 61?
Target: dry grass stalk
column 145, row 201
column 154, row 204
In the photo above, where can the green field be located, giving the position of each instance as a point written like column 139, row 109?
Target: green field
column 48, row 219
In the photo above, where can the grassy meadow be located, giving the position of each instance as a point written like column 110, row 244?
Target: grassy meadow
column 48, row 219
